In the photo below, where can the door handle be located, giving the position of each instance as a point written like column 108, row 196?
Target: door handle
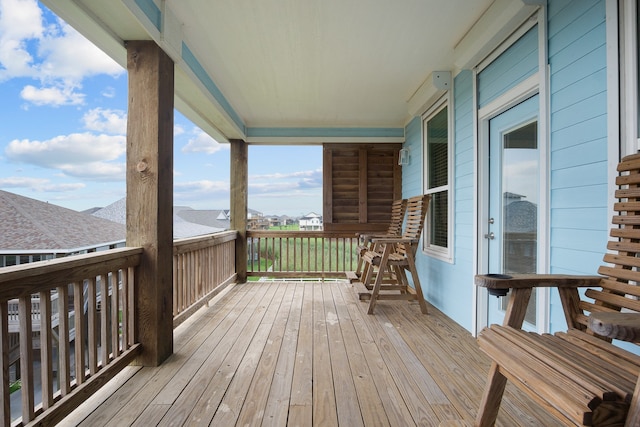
column 490, row 236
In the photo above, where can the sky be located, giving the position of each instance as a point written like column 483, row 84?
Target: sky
column 63, row 114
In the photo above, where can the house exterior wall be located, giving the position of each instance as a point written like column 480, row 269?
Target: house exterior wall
column 579, row 219
column 513, row 66
column 578, row 165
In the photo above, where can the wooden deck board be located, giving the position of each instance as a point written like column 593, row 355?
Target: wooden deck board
column 303, row 354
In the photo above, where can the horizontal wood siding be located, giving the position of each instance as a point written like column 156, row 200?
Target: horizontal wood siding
column 452, row 291
column 345, row 185
column 412, row 173
column 579, row 174
column 515, row 65
column 361, row 182
column 381, row 169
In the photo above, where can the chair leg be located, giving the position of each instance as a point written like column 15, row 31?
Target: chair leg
column 492, row 397
column 378, row 283
column 416, row 283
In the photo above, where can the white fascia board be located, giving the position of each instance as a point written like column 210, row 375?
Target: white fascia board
column 86, row 23
column 495, row 25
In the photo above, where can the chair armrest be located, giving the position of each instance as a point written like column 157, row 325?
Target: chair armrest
column 393, row 239
column 499, row 284
column 620, row 326
column 368, row 237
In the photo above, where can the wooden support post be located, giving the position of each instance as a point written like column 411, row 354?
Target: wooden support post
column 239, row 189
column 150, row 194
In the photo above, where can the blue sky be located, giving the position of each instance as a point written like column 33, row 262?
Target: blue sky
column 63, row 130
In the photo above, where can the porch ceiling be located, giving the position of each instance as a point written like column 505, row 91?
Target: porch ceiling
column 311, row 65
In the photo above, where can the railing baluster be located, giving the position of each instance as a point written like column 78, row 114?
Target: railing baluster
column 124, row 300
column 131, row 318
column 26, row 357
column 104, row 319
column 115, row 321
column 64, row 373
column 176, row 283
column 5, row 408
column 92, row 325
column 46, row 350
column 79, row 353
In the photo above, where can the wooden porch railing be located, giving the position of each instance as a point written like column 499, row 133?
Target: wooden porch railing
column 202, row 267
column 86, row 300
column 316, row 254
column 78, row 313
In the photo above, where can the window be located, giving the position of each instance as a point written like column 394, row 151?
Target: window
column 435, row 134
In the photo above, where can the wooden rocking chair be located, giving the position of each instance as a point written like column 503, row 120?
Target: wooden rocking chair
column 398, row 209
column 578, row 375
column 396, row 254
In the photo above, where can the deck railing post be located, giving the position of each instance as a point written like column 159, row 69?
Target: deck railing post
column 239, row 185
column 150, row 194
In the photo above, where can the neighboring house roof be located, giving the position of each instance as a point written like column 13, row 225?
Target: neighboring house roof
column 206, row 217
column 116, row 211
column 311, row 215
column 182, row 226
column 31, row 225
column 521, row 217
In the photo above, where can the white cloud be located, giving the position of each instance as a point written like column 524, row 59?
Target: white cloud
column 56, row 55
column 282, row 182
column 106, row 120
column 297, row 174
column 80, row 155
column 178, row 130
column 67, row 54
column 202, row 187
column 203, row 143
column 109, row 92
column 97, row 171
column 38, row 184
column 55, row 96
column 20, row 182
column 20, row 21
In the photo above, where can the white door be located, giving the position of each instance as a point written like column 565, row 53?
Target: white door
column 513, row 191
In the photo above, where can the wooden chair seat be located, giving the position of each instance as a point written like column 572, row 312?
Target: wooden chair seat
column 580, row 376
column 585, row 389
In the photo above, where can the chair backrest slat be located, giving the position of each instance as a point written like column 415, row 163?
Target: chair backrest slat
column 398, row 209
column 620, row 290
column 416, row 212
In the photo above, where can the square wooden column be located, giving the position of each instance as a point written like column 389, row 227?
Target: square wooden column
column 239, row 190
column 150, row 194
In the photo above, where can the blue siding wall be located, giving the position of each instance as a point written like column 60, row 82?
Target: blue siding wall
column 449, row 286
column 579, row 218
column 412, row 173
column 578, row 154
column 515, row 65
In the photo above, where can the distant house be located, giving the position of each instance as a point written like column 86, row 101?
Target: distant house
column 311, row 222
column 31, row 230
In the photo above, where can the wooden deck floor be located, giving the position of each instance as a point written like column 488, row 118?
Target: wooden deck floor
column 303, row 354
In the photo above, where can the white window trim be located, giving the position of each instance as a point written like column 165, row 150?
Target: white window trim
column 437, row 252
column 627, row 54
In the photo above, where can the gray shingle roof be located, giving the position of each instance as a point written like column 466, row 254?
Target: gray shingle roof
column 182, row 226
column 206, row 217
column 27, row 224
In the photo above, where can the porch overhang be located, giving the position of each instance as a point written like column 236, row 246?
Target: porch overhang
column 303, row 72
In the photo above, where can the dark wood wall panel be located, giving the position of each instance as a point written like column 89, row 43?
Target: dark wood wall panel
column 360, row 183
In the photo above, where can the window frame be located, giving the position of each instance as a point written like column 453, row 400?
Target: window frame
column 629, row 92
column 434, row 251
